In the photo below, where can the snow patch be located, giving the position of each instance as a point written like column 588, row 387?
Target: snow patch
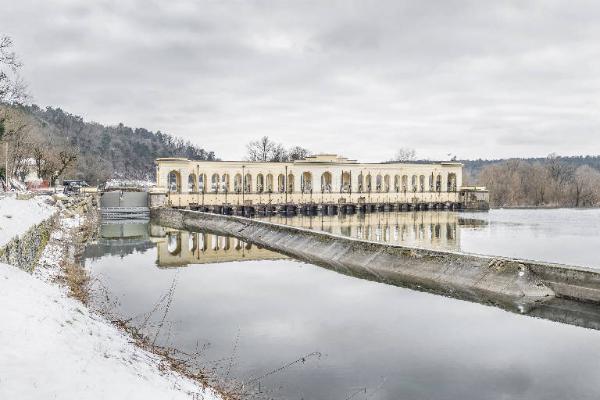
column 56, row 348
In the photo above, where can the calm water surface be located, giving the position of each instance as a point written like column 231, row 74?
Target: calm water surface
column 376, row 341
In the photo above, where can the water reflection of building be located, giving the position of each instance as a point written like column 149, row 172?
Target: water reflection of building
column 119, row 238
column 432, row 229
column 178, row 248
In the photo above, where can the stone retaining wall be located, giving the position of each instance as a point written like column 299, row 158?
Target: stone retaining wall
column 24, row 251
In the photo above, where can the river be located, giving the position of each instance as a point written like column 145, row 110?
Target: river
column 250, row 311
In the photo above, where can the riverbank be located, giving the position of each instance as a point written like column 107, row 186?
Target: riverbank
column 57, row 347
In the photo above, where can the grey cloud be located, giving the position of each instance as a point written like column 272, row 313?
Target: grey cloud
column 471, row 78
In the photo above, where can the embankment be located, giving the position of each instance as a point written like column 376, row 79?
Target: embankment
column 509, row 283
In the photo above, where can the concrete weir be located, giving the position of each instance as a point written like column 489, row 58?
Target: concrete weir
column 513, row 284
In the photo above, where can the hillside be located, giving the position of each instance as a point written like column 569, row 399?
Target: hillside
column 102, row 152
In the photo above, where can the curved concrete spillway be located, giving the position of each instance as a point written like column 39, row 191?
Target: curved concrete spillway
column 545, row 290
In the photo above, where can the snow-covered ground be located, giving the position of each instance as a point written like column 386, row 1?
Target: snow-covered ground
column 17, row 216
column 53, row 347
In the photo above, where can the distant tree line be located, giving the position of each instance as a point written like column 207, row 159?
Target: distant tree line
column 553, row 181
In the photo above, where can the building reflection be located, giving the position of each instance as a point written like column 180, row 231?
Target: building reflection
column 430, row 229
column 178, row 248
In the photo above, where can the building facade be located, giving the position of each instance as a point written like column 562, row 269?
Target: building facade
column 320, row 179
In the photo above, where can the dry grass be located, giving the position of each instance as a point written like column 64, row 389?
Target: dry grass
column 77, row 280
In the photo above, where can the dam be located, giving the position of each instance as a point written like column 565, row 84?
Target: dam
column 325, row 183
column 359, row 329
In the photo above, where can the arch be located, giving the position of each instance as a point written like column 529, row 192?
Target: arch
column 225, row 183
column 174, row 181
column 421, row 183
column 438, row 183
column 202, row 241
column 225, row 242
column 414, row 183
column 192, row 242
column 192, row 183
column 386, row 183
column 281, row 183
column 174, row 243
column 260, row 183
column 248, row 183
column 368, row 183
column 360, row 182
column 346, row 182
column 326, row 182
column 405, row 183
column 397, row 183
column 306, row 182
column 431, row 183
column 202, row 183
column 290, row 183
column 237, row 183
column 378, row 183
column 451, row 184
column 214, row 183
column 269, row 187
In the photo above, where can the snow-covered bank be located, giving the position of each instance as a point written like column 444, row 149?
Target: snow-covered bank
column 53, row 347
column 17, row 216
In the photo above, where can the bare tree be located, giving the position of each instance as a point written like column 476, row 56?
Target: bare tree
column 278, row 153
column 405, row 154
column 260, row 150
column 12, row 86
column 298, row 153
column 265, row 149
column 586, row 186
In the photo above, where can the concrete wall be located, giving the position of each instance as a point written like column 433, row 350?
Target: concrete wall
column 510, row 283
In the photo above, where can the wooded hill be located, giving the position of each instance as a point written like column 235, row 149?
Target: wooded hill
column 101, row 152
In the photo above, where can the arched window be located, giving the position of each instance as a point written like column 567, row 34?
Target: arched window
column 326, row 182
column 281, row 183
column 368, row 183
column 174, row 182
column 192, row 186
column 451, row 182
column 225, row 183
column 360, row 183
column 386, row 183
column 269, row 186
column 346, row 182
column 237, row 183
column 405, row 183
column 248, row 183
column 214, row 183
column 378, row 183
column 415, row 183
column 422, row 183
column 306, row 182
column 431, row 183
column 202, row 183
column 290, row 183
column 397, row 183
column 438, row 183
column 260, row 183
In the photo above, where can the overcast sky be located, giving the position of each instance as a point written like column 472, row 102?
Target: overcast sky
column 469, row 78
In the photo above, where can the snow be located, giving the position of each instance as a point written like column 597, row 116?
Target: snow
column 55, row 348
column 17, row 216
